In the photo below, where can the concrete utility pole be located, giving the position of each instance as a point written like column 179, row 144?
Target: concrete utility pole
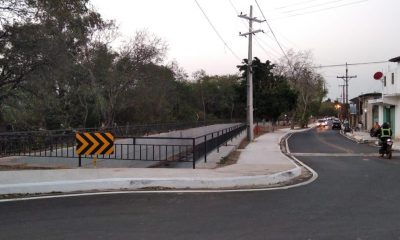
column 250, row 135
column 343, row 97
column 346, row 85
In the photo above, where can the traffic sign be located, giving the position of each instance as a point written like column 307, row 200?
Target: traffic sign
column 94, row 143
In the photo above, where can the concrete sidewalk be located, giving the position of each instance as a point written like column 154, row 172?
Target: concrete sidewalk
column 364, row 137
column 361, row 137
column 260, row 164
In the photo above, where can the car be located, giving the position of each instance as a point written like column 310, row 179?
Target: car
column 328, row 122
column 320, row 122
column 336, row 125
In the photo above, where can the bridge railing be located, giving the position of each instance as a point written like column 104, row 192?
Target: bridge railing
column 144, row 148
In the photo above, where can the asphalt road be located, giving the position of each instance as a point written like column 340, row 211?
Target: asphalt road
column 354, row 197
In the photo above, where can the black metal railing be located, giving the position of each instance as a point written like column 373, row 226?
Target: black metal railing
column 150, row 148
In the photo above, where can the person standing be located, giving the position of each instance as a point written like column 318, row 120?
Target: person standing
column 374, row 130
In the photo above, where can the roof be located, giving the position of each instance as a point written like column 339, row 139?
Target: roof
column 396, row 59
column 374, row 95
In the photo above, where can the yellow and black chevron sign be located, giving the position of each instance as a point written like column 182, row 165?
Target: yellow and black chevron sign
column 94, row 143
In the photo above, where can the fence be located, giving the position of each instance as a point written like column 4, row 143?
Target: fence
column 161, row 149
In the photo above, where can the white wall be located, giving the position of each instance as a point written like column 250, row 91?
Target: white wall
column 392, row 89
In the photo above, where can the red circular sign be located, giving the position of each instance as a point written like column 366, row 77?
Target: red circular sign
column 378, row 75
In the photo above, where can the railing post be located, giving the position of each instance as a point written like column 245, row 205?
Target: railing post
column 205, row 148
column 194, row 152
column 218, row 142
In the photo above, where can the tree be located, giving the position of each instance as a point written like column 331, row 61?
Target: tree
column 39, row 52
column 310, row 85
column 272, row 93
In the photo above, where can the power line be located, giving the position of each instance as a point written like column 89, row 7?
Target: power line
column 313, row 6
column 262, row 13
column 258, row 40
column 319, row 10
column 291, row 5
column 350, row 64
column 273, row 50
column 216, row 31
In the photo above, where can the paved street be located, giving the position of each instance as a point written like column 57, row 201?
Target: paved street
column 354, row 197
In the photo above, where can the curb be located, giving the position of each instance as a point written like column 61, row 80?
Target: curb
column 361, row 141
column 155, row 183
column 182, row 183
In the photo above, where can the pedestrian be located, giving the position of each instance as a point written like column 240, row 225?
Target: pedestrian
column 374, row 130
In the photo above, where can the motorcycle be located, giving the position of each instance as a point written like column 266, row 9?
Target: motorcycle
column 386, row 148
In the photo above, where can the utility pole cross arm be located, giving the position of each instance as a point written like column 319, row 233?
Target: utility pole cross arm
column 252, row 32
column 250, row 18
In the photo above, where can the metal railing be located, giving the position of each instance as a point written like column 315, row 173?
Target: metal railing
column 151, row 148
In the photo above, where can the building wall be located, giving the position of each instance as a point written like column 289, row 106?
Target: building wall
column 397, row 122
column 392, row 88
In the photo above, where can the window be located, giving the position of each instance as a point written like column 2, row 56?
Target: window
column 392, row 78
column 384, row 81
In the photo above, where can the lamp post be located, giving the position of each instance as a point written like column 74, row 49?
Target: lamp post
column 365, row 118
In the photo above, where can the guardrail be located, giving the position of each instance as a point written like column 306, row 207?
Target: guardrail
column 161, row 149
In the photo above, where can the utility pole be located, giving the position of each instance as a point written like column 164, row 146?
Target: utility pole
column 346, row 83
column 250, row 135
column 343, row 97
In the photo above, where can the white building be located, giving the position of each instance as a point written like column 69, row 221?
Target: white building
column 388, row 107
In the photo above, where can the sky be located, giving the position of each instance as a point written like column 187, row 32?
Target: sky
column 336, row 31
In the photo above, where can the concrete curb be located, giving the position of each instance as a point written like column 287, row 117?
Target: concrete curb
column 144, row 183
column 155, row 183
column 362, row 141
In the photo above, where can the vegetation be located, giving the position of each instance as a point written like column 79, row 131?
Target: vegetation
column 58, row 70
column 310, row 85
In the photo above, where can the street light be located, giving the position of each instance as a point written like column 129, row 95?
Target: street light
column 338, row 106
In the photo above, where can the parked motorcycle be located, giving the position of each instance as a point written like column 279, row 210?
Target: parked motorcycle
column 386, row 148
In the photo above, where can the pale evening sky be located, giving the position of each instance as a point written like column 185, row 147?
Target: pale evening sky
column 337, row 31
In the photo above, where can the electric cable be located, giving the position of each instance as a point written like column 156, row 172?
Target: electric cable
column 296, row 4
column 273, row 34
column 258, row 40
column 316, row 11
column 216, row 31
column 350, row 64
column 313, row 6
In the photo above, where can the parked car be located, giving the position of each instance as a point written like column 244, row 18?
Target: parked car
column 336, row 124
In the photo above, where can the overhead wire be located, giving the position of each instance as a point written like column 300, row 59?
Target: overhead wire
column 216, row 31
column 313, row 6
column 349, row 64
column 258, row 40
column 273, row 34
column 296, row 4
column 316, row 11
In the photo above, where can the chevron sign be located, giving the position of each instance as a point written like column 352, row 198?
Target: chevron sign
column 94, row 143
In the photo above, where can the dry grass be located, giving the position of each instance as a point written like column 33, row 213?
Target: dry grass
column 14, row 167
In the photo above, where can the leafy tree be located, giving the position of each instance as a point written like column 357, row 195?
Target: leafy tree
column 272, row 94
column 39, row 52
